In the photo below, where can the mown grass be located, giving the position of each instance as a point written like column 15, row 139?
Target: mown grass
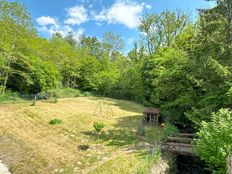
column 29, row 144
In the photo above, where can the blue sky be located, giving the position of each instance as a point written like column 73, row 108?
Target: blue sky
column 94, row 17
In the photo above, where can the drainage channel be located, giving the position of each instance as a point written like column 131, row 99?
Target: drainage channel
column 186, row 164
column 178, row 149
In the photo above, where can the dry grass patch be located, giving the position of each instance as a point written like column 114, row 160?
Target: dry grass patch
column 29, row 143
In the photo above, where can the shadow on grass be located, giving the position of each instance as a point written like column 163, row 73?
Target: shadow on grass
column 114, row 137
column 122, row 104
column 124, row 132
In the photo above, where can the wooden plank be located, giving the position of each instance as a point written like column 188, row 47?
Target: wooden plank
column 178, row 144
column 180, row 139
column 179, row 152
column 185, row 135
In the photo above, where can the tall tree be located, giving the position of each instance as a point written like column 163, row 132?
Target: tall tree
column 161, row 30
column 112, row 43
column 15, row 27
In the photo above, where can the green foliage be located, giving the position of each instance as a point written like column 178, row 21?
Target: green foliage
column 88, row 70
column 169, row 130
column 67, row 93
column 214, row 142
column 148, row 162
column 9, row 96
column 166, row 82
column 161, row 30
column 45, row 76
column 112, row 43
column 98, row 126
column 55, row 121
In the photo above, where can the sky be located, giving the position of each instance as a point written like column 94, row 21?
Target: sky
column 95, row 17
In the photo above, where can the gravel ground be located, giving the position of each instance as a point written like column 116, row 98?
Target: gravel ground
column 3, row 168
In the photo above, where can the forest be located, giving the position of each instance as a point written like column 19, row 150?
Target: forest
column 181, row 66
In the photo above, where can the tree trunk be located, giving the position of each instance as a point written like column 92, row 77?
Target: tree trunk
column 4, row 84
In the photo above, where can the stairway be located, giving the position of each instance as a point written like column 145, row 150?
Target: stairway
column 180, row 143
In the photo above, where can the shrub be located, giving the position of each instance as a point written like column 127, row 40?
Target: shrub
column 67, row 93
column 98, row 126
column 55, row 121
column 169, row 129
column 214, row 143
column 9, row 96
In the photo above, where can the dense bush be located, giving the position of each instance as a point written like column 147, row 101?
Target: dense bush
column 214, row 142
column 169, row 130
column 9, row 96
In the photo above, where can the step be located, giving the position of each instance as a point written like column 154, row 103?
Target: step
column 185, row 135
column 177, row 144
column 179, row 140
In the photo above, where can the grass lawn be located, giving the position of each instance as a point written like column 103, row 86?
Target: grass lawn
column 29, row 144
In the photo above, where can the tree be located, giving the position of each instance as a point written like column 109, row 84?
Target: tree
column 65, row 56
column 15, row 27
column 92, row 45
column 88, row 73
column 70, row 39
column 223, row 9
column 214, row 142
column 167, row 83
column 210, row 60
column 112, row 43
column 161, row 30
column 44, row 75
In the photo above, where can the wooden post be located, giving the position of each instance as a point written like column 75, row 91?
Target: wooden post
column 144, row 118
column 157, row 119
column 229, row 165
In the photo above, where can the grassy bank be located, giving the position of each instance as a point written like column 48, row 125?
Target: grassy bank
column 29, row 144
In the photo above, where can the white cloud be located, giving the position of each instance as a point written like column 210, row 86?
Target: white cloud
column 123, row 12
column 62, row 29
column 46, row 20
column 76, row 15
column 148, row 6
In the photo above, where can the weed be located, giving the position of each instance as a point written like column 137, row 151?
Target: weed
column 55, row 121
column 98, row 126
